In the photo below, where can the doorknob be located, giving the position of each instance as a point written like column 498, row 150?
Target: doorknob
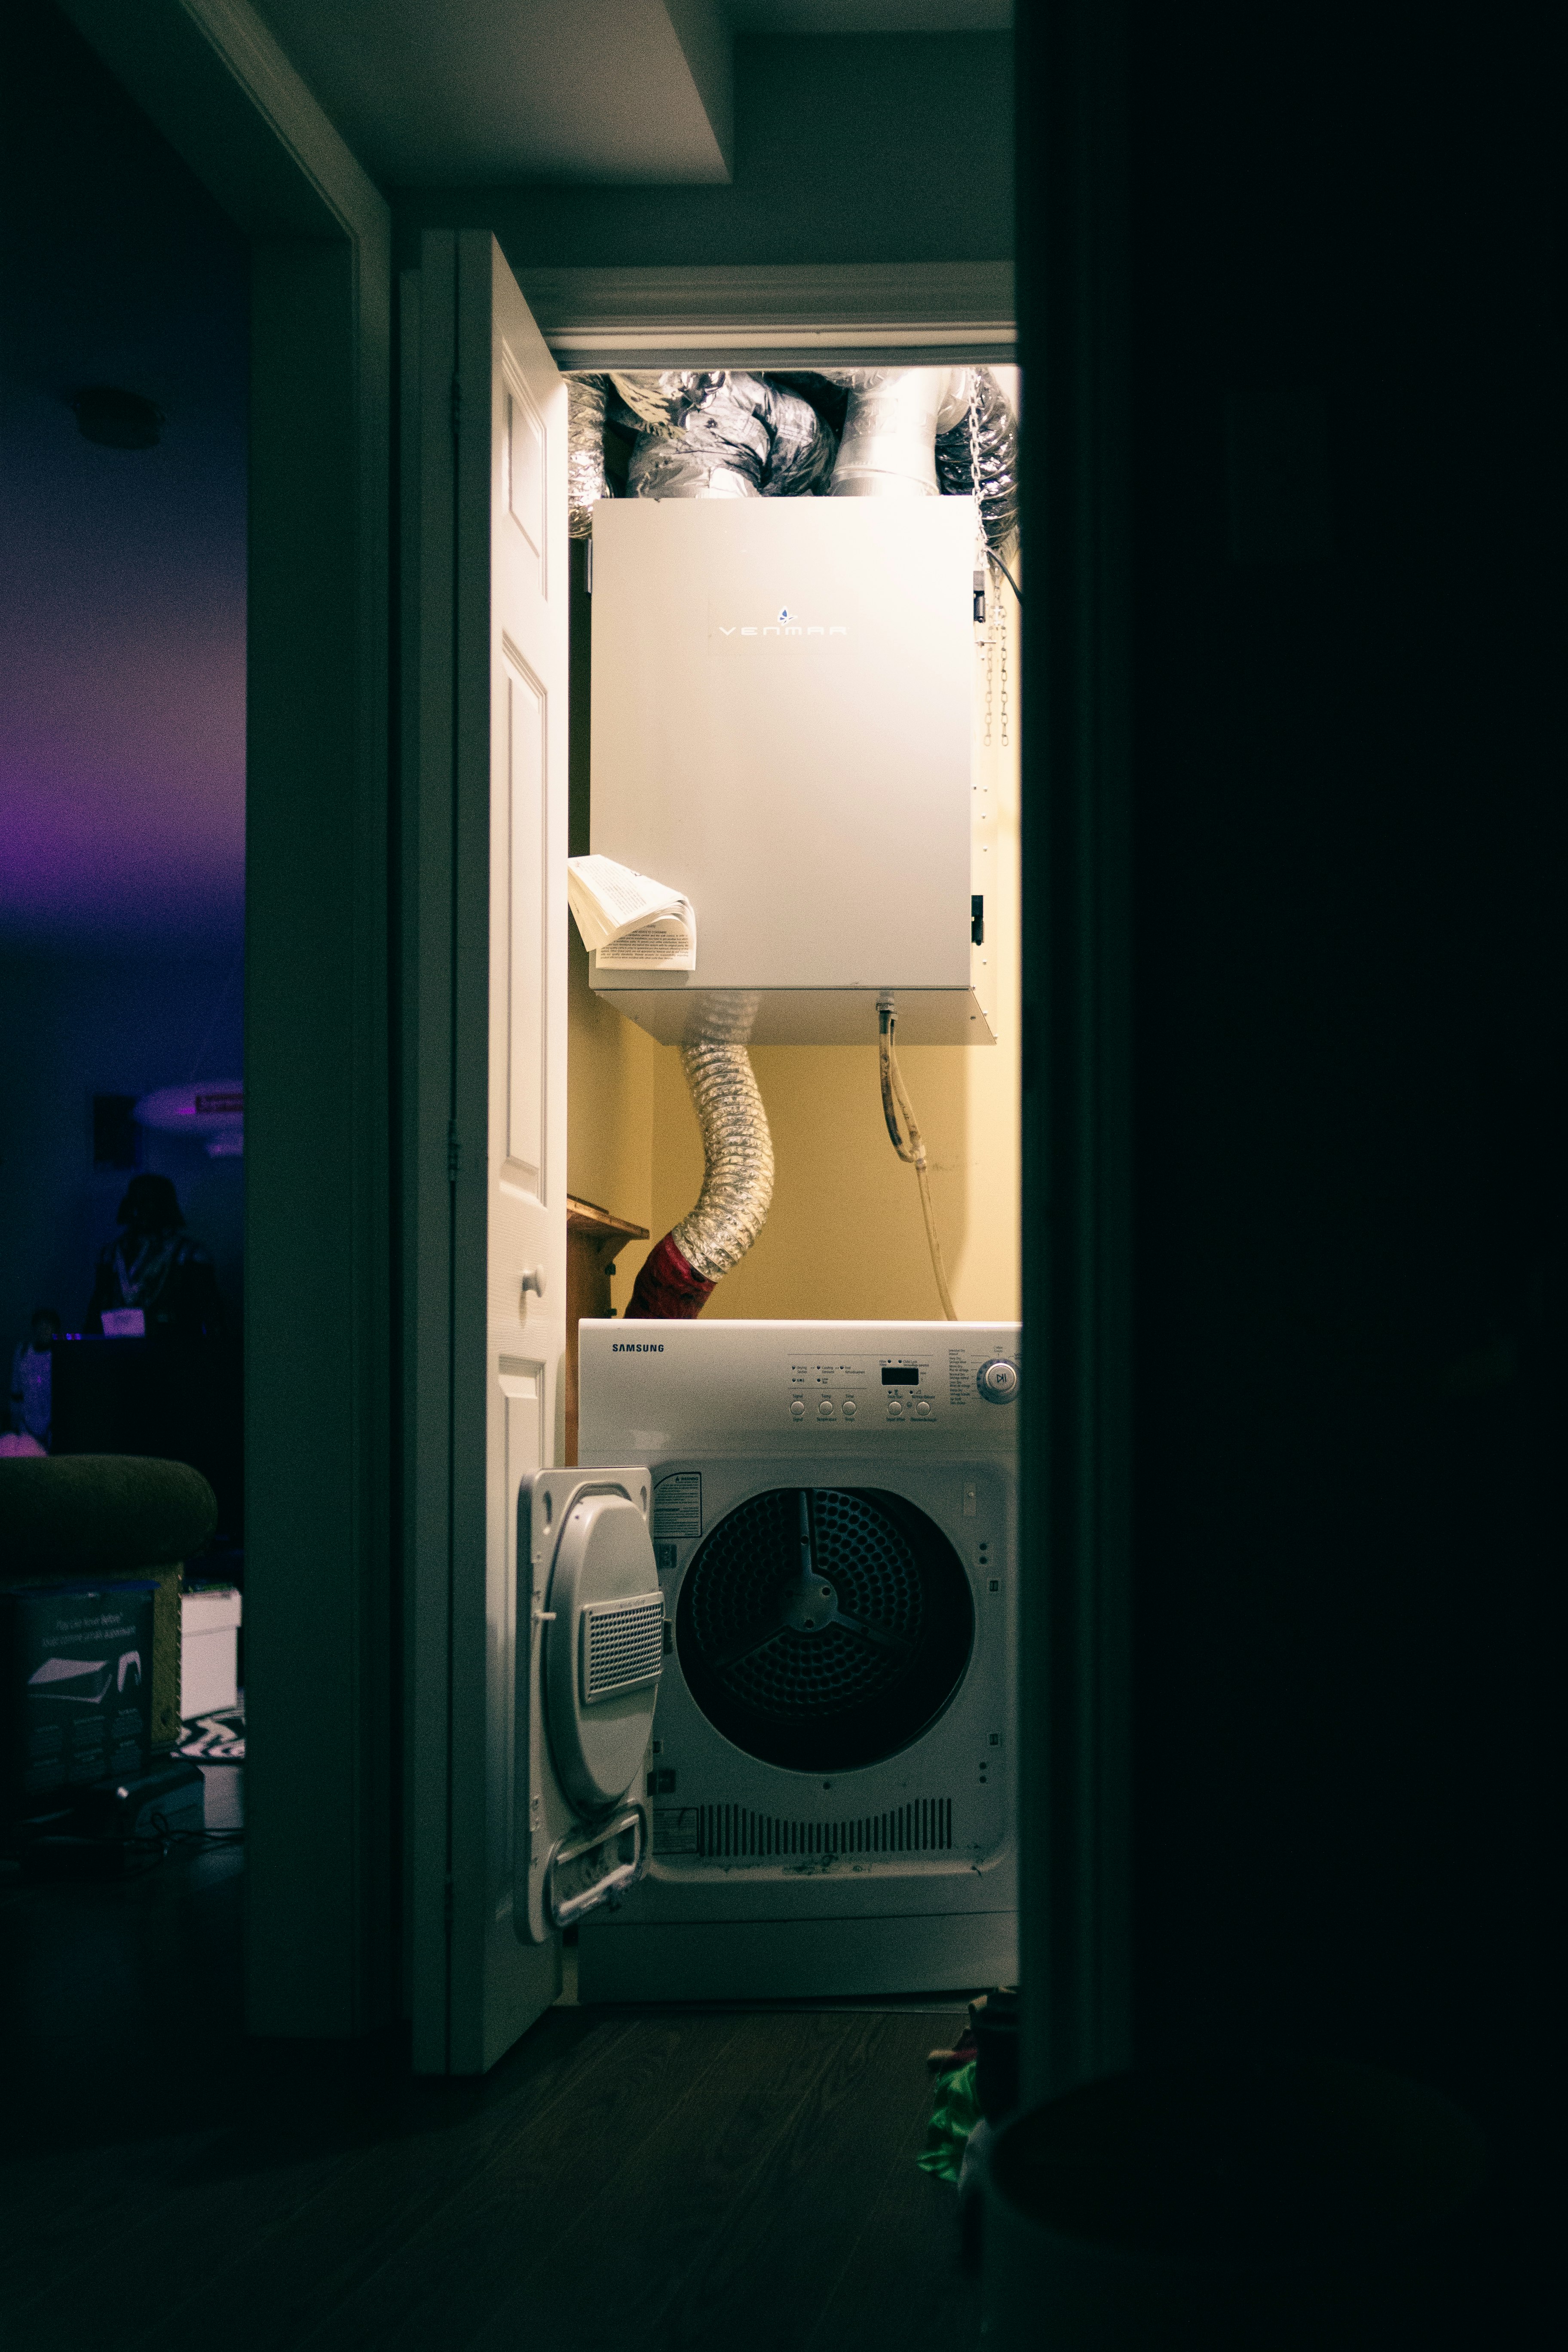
column 534, row 1281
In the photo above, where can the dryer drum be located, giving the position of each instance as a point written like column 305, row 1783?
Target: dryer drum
column 823, row 1628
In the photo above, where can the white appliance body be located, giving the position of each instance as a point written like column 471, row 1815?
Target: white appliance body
column 783, row 716
column 800, row 1848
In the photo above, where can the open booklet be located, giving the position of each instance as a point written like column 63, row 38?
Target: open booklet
column 627, row 919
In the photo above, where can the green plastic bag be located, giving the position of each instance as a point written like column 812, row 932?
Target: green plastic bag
column 953, row 2116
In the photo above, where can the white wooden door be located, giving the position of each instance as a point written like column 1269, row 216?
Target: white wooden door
column 484, row 965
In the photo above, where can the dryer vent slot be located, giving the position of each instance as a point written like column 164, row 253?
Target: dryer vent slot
column 734, row 1833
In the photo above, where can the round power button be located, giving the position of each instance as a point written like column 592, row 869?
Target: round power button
column 998, row 1381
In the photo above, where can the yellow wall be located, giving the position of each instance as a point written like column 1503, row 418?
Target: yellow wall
column 610, row 1066
column 844, row 1236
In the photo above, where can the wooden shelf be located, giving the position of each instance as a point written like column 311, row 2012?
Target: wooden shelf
column 588, row 1217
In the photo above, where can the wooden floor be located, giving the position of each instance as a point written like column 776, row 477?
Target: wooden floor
column 673, row 2181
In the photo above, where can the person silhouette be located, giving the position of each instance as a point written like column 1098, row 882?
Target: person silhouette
column 154, row 1266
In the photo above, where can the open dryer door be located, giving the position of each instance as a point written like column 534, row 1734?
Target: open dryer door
column 482, row 963
column 587, row 1686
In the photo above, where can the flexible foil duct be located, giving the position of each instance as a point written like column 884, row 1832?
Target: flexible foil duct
column 657, row 395
column 738, row 1181
column 952, row 391
column 677, row 1278
column 804, row 449
column 586, row 482
column 889, row 431
column 996, row 431
column 669, row 462
column 733, row 437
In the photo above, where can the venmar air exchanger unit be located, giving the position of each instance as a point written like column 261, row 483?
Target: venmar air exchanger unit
column 783, row 733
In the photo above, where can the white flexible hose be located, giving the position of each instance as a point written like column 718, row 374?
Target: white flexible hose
column 738, row 1150
column 896, row 1102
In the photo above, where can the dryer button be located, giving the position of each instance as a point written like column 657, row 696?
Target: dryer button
column 824, row 1410
column 922, row 1411
column 796, row 1409
column 895, row 1410
column 848, row 1408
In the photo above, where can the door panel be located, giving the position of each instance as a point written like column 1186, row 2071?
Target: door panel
column 485, row 817
column 527, row 995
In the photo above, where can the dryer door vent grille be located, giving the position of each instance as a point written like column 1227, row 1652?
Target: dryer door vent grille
column 622, row 1645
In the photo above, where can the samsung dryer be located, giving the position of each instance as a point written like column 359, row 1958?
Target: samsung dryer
column 830, row 1781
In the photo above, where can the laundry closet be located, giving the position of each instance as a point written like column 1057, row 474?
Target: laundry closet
column 733, row 1199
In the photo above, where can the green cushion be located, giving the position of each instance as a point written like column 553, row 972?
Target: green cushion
column 99, row 1514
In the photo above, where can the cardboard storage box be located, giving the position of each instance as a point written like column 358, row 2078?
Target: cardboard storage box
column 209, row 1652
column 76, row 1689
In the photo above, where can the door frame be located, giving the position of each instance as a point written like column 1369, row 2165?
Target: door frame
column 327, row 1016
column 1076, row 1925
column 321, row 1533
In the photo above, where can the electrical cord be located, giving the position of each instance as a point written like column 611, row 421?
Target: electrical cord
column 1006, row 575
column 896, row 1100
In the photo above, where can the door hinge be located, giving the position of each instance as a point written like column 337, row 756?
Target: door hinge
column 457, row 406
column 453, row 1152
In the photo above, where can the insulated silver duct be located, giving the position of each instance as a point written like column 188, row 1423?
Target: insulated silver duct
column 737, row 1179
column 657, row 395
column 729, row 435
column 586, row 482
column 983, row 436
column 890, row 434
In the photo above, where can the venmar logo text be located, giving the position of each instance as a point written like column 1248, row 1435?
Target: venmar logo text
column 790, row 632
column 636, row 1347
column 784, row 628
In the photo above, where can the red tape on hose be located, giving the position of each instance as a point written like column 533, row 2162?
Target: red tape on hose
column 667, row 1288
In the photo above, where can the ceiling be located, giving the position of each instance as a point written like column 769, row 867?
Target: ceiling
column 611, row 92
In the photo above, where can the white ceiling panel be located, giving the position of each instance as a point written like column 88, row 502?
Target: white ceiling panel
column 447, row 93
column 473, row 91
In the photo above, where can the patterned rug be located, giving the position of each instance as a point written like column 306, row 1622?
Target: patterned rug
column 214, row 1739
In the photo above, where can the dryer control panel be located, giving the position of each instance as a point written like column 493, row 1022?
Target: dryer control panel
column 664, row 1387
column 908, row 1389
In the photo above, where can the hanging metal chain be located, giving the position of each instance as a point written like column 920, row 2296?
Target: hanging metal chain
column 974, row 452
column 985, row 570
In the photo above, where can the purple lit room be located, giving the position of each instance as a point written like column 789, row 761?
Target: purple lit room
column 123, row 615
